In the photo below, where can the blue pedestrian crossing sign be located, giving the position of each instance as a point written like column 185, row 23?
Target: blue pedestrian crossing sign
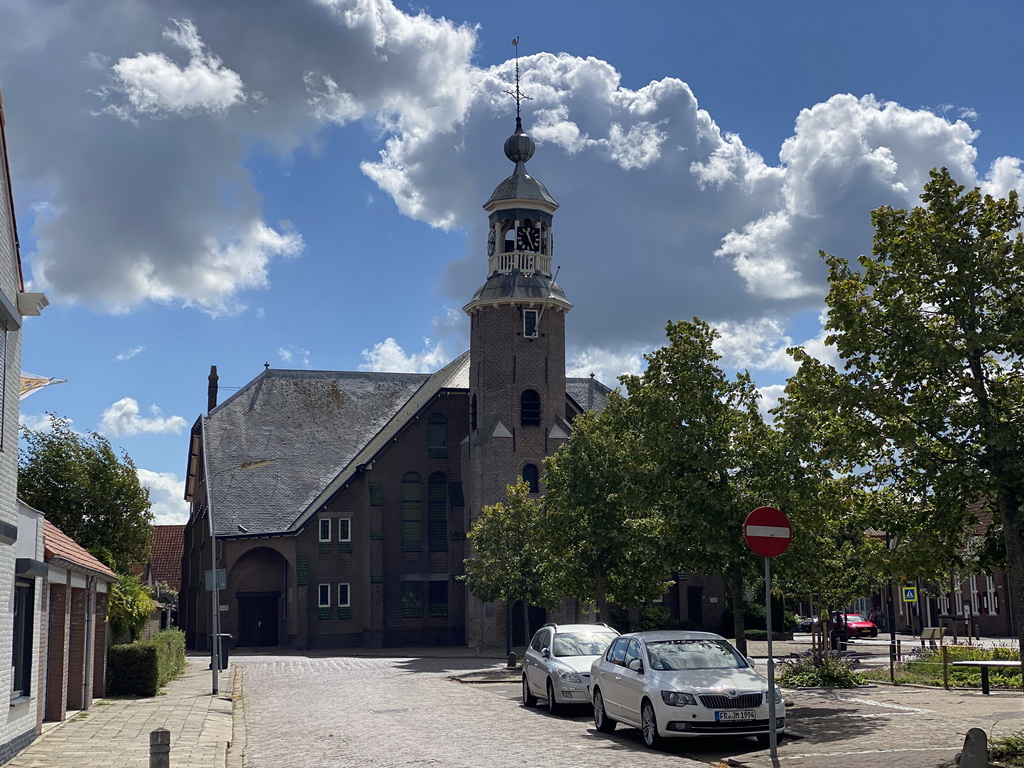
column 910, row 594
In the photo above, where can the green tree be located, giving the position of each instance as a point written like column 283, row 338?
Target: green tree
column 508, row 553
column 930, row 403
column 714, row 457
column 604, row 542
column 88, row 491
column 128, row 607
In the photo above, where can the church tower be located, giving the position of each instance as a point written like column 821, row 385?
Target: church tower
column 517, row 393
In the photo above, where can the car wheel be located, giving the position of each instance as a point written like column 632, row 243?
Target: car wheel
column 529, row 700
column 602, row 722
column 554, row 708
column 649, row 726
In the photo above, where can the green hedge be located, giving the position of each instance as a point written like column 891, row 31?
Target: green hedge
column 140, row 669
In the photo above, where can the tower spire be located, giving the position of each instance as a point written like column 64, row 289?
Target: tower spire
column 517, row 94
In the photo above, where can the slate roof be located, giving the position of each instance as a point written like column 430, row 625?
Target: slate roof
column 61, row 549
column 283, row 444
column 278, row 441
column 167, row 548
column 589, row 393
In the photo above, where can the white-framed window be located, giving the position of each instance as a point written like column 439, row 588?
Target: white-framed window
column 530, row 317
column 344, row 529
column 974, row 595
column 343, row 595
column 993, row 599
column 958, row 597
column 325, row 529
column 324, row 596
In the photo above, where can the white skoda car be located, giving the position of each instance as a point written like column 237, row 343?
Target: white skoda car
column 673, row 683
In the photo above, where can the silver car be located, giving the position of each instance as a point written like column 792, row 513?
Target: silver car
column 556, row 666
column 673, row 683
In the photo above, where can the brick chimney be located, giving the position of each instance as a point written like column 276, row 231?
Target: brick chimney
column 211, row 392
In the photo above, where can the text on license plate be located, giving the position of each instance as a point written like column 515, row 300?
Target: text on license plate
column 735, row 714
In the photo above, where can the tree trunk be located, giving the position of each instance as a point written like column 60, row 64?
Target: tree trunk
column 1015, row 561
column 601, row 588
column 526, row 624
column 736, row 587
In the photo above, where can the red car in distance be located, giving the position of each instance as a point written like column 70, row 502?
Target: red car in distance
column 858, row 626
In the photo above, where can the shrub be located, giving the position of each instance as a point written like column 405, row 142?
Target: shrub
column 762, row 634
column 1008, row 749
column 817, row 669
column 141, row 669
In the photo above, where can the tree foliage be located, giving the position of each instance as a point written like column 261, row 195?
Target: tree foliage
column 87, row 490
column 508, row 552
column 929, row 407
column 604, row 541
column 128, row 606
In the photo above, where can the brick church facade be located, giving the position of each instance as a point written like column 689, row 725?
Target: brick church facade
column 337, row 503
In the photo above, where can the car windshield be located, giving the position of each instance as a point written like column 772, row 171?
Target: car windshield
column 694, row 654
column 582, row 643
column 854, row 617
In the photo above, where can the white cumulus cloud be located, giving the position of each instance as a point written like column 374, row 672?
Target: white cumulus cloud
column 166, row 496
column 122, row 419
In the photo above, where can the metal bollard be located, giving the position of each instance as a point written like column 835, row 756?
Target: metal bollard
column 160, row 748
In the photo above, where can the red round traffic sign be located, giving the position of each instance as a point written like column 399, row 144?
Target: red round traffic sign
column 767, row 531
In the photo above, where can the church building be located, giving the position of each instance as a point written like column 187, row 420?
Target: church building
column 336, row 504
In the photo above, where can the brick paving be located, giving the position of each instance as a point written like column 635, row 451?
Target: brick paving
column 115, row 732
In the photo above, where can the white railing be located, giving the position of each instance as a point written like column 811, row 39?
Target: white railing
column 524, row 261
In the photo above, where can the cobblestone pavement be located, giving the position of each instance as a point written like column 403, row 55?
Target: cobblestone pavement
column 310, row 712
column 391, row 713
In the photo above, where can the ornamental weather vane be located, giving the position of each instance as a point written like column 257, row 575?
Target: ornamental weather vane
column 517, row 94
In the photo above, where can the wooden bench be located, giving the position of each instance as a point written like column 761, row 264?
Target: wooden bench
column 985, row 667
column 931, row 634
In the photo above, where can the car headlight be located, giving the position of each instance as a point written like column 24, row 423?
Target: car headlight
column 778, row 694
column 568, row 676
column 677, row 699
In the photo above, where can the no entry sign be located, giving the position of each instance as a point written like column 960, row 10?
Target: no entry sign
column 767, row 531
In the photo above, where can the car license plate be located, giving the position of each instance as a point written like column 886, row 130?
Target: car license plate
column 734, row 714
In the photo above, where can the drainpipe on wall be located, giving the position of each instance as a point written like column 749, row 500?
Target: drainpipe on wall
column 90, row 639
column 215, row 594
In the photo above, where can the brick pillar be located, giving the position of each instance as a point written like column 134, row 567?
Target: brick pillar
column 39, row 676
column 76, row 649
column 57, row 653
column 99, row 659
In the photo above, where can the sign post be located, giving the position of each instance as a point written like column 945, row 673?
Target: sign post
column 767, row 532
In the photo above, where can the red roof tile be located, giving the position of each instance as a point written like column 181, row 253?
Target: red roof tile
column 57, row 544
column 165, row 554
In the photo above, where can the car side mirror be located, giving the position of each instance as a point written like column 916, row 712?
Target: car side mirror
column 546, row 653
column 636, row 665
column 750, row 661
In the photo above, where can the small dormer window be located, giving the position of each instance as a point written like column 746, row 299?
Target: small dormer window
column 530, row 317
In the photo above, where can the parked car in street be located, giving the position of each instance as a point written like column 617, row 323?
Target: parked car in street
column 806, row 623
column 556, row 666
column 675, row 683
column 858, row 626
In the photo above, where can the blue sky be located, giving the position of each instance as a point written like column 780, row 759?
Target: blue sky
column 210, row 183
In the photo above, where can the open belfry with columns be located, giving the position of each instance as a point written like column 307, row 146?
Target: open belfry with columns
column 336, row 503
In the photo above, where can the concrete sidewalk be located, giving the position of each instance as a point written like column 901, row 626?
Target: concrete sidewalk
column 115, row 732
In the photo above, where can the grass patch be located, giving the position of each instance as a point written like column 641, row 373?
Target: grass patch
column 924, row 667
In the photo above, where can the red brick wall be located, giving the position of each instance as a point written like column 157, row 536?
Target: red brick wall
column 57, row 657
column 76, row 649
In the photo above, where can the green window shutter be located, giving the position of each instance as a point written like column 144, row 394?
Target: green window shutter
column 412, row 515
column 438, row 599
column 412, row 599
column 437, row 440
column 455, row 495
column 437, row 495
column 376, row 493
column 302, row 570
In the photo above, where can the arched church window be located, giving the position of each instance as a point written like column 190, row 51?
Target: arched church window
column 437, row 436
column 532, row 477
column 437, row 525
column 529, row 409
column 412, row 531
